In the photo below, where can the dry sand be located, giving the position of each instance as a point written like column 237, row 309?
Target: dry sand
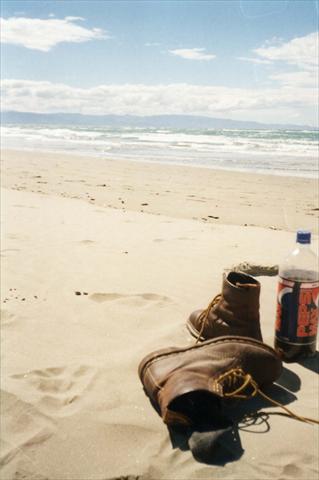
column 93, row 280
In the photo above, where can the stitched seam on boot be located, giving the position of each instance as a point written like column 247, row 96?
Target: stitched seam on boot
column 262, row 346
column 154, row 381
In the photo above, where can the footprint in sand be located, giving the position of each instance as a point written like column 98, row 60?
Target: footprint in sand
column 57, row 391
column 86, row 242
column 185, row 238
column 138, row 298
column 23, row 424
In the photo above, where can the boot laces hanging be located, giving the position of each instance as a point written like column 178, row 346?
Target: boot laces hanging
column 230, row 380
column 203, row 316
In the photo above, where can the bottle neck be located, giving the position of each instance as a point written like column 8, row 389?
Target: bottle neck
column 303, row 246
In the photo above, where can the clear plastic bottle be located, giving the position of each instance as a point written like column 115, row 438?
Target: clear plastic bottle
column 297, row 302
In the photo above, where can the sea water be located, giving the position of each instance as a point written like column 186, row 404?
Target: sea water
column 279, row 152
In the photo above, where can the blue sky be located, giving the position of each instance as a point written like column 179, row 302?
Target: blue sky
column 237, row 59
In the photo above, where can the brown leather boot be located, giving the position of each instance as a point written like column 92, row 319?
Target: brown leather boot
column 234, row 312
column 186, row 385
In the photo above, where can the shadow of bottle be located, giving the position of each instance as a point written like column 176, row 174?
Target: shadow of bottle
column 311, row 363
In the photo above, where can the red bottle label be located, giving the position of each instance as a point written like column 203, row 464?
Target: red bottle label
column 297, row 311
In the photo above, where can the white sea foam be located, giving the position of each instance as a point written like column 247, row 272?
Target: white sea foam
column 283, row 152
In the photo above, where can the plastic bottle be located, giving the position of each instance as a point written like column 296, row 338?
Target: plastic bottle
column 297, row 302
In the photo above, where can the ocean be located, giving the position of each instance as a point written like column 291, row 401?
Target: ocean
column 277, row 152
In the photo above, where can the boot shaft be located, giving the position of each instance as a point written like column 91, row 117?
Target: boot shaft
column 240, row 295
column 235, row 313
column 239, row 305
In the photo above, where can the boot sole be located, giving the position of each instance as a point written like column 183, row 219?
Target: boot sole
column 153, row 357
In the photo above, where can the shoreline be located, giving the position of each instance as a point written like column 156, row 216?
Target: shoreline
column 90, row 154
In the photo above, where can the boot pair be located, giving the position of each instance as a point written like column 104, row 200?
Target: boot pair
column 189, row 386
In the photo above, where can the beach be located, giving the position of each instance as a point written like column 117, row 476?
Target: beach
column 102, row 263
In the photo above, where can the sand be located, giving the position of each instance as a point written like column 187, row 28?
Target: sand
column 102, row 261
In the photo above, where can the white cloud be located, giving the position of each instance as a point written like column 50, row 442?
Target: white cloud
column 255, row 60
column 271, row 104
column 74, row 19
column 302, row 82
column 44, row 34
column 300, row 51
column 299, row 78
column 192, row 53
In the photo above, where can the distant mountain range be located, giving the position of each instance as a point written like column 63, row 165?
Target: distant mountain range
column 156, row 121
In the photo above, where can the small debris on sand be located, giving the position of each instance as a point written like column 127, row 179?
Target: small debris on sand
column 256, row 269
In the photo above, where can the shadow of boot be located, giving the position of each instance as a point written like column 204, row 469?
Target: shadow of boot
column 289, row 380
column 214, row 439
column 216, row 447
column 209, row 444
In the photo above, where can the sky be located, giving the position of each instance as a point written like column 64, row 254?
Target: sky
column 243, row 60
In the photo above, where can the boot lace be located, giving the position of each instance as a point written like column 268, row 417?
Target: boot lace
column 203, row 316
column 230, row 380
